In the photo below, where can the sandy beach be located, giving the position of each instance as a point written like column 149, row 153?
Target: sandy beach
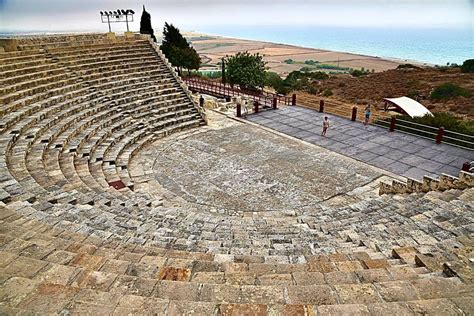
column 213, row 48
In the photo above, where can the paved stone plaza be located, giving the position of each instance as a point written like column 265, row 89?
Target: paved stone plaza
column 400, row 153
column 247, row 169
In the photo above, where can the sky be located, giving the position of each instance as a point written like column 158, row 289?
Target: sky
column 193, row 15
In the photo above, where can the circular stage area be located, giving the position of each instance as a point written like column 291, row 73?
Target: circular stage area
column 246, row 169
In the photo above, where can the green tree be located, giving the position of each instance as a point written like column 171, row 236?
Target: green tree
column 272, row 79
column 177, row 49
column 145, row 24
column 246, row 70
column 468, row 66
column 449, row 90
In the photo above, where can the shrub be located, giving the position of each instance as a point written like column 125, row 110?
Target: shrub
column 468, row 66
column 289, row 61
column 311, row 62
column 273, row 80
column 306, row 69
column 358, row 73
column 327, row 93
column 413, row 94
column 407, row 66
column 448, row 90
column 446, row 120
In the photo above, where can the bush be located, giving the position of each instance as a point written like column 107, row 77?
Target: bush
column 413, row 94
column 311, row 62
column 358, row 73
column 407, row 66
column 446, row 120
column 306, row 69
column 327, row 93
column 468, row 66
column 289, row 61
column 273, row 80
column 448, row 90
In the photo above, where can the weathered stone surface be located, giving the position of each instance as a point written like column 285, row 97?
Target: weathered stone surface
column 49, row 298
column 311, row 294
column 139, row 305
column 346, row 309
column 174, row 274
column 435, row 307
column 395, row 291
column 243, row 309
column 357, row 293
column 395, row 308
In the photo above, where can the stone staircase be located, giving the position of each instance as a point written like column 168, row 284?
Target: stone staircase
column 445, row 182
column 81, row 233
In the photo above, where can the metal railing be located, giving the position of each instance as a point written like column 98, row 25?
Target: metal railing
column 439, row 135
column 266, row 99
column 392, row 123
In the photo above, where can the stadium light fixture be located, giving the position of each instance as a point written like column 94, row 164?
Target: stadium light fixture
column 120, row 15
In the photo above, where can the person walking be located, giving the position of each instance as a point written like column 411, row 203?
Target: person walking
column 325, row 126
column 367, row 113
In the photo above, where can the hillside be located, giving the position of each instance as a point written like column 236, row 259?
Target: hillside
column 404, row 82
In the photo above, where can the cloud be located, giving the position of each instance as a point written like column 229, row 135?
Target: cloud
column 68, row 15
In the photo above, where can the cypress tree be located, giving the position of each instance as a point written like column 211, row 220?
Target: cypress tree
column 145, row 24
column 177, row 49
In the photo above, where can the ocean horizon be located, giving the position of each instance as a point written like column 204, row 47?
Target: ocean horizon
column 425, row 45
column 422, row 45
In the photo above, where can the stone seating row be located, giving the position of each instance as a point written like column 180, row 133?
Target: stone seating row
column 67, row 43
column 14, row 75
column 81, row 88
column 30, row 62
column 47, row 127
column 47, row 269
column 74, row 90
column 44, row 125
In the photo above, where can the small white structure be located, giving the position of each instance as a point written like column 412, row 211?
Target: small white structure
column 409, row 106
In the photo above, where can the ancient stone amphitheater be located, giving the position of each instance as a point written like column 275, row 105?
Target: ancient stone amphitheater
column 102, row 214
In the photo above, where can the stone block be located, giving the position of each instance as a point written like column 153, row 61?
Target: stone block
column 460, row 269
column 49, row 298
column 376, row 263
column 407, row 254
column 395, row 291
column 414, row 185
column 243, row 309
column 430, row 262
column 344, row 309
column 311, row 294
column 174, row 274
column 357, row 293
column 435, row 307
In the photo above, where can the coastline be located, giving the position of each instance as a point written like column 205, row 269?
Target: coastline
column 213, row 47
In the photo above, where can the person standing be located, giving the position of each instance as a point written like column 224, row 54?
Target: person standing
column 325, row 126
column 367, row 113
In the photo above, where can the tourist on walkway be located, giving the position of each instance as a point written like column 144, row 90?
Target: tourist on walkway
column 325, row 126
column 368, row 113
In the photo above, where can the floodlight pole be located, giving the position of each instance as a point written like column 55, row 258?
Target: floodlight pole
column 108, row 22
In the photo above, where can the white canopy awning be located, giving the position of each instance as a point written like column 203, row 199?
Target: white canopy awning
column 409, row 106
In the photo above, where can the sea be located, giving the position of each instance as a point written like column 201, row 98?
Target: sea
column 435, row 46
column 431, row 46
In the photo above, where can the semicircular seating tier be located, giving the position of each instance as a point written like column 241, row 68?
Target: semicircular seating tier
column 76, row 236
